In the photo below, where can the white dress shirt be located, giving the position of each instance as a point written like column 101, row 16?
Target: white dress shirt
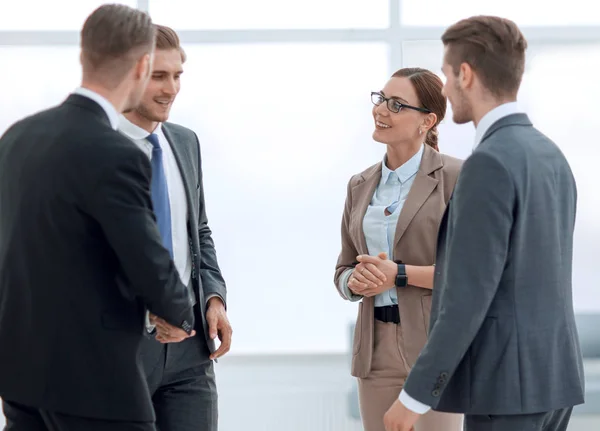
column 485, row 123
column 111, row 112
column 177, row 198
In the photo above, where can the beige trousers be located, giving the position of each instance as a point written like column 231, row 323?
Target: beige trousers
column 381, row 388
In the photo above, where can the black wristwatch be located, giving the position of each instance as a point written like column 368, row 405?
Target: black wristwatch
column 401, row 278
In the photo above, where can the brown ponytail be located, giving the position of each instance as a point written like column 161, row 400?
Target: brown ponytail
column 432, row 138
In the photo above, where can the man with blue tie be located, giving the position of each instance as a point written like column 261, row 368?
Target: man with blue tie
column 179, row 366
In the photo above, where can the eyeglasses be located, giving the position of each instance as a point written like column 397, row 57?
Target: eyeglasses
column 394, row 105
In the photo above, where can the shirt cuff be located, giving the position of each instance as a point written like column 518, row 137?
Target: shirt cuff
column 343, row 282
column 212, row 295
column 411, row 404
column 149, row 326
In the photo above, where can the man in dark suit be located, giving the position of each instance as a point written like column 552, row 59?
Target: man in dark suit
column 181, row 375
column 81, row 257
column 503, row 346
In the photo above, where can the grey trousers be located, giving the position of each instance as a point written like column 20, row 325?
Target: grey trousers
column 181, row 380
column 556, row 420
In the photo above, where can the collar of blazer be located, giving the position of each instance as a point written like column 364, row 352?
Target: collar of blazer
column 89, row 105
column 510, row 120
column 424, row 184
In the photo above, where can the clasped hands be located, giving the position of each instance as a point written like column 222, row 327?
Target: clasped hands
column 373, row 275
column 218, row 326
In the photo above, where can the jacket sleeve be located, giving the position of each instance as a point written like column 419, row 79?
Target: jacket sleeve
column 479, row 224
column 121, row 204
column 347, row 258
column 213, row 283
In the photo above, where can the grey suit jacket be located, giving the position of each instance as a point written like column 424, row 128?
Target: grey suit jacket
column 206, row 275
column 503, row 338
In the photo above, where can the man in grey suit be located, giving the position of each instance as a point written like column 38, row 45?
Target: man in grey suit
column 503, row 346
column 179, row 368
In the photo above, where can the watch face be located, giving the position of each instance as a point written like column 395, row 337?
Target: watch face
column 401, row 281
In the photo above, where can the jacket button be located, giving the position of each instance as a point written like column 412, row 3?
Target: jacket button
column 444, row 375
column 436, row 393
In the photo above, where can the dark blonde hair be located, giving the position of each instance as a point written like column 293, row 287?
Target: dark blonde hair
column 428, row 87
column 113, row 39
column 494, row 48
column 167, row 38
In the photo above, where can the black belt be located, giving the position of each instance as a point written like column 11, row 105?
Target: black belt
column 388, row 314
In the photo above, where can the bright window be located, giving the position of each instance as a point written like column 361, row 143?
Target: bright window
column 282, row 127
column 35, row 78
column 263, row 14
column 49, row 14
column 524, row 13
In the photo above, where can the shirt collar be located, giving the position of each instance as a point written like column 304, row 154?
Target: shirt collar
column 407, row 170
column 494, row 115
column 111, row 112
column 135, row 132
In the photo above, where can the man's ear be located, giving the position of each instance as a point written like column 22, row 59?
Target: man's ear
column 143, row 67
column 466, row 76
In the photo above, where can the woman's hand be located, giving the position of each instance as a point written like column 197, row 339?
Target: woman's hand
column 366, row 279
column 373, row 275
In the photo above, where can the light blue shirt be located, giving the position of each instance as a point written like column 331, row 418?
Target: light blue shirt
column 380, row 229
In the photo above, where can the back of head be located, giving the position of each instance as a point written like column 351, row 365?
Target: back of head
column 113, row 39
column 428, row 87
column 493, row 47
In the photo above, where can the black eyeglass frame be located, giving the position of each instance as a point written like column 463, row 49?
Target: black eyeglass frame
column 391, row 104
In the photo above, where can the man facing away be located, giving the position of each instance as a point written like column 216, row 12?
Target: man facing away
column 81, row 257
column 503, row 346
column 180, row 375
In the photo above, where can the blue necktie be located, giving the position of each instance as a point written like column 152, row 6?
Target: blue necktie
column 160, row 194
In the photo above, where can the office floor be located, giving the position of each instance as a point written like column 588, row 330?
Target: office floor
column 314, row 392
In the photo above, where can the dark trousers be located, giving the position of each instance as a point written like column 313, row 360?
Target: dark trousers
column 181, row 380
column 23, row 418
column 556, row 420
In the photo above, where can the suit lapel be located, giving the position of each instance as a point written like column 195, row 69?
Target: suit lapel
column 183, row 170
column 186, row 171
column 421, row 188
column 362, row 194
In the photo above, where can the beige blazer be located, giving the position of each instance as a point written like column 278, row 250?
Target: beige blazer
column 415, row 243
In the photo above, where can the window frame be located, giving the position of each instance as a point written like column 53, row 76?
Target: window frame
column 394, row 35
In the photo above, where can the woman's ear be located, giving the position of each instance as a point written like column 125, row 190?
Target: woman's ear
column 430, row 121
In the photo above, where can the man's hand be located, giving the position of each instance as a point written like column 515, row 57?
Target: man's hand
column 378, row 267
column 218, row 325
column 399, row 418
column 167, row 333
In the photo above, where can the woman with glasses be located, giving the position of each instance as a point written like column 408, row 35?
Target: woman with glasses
column 392, row 213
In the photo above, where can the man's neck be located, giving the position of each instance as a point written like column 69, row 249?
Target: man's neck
column 114, row 97
column 488, row 104
column 141, row 121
